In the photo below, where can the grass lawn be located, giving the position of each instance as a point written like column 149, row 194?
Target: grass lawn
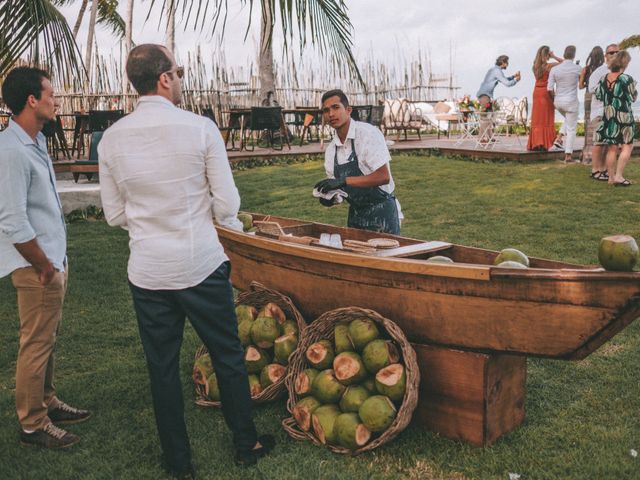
column 583, row 418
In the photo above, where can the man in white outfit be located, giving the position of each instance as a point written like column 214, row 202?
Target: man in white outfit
column 597, row 162
column 563, row 89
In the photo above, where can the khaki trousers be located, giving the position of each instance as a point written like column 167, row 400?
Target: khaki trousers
column 40, row 311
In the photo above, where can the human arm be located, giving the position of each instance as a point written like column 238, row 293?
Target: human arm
column 225, row 199
column 14, row 221
column 556, row 58
column 508, row 81
column 582, row 81
column 632, row 90
column 112, row 201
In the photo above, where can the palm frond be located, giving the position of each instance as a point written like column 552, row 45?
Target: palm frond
column 37, row 28
column 630, row 42
column 109, row 17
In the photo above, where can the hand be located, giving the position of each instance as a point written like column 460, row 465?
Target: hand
column 328, row 184
column 45, row 273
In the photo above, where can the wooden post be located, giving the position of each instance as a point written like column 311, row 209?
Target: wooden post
column 473, row 397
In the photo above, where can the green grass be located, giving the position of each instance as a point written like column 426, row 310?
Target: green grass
column 582, row 417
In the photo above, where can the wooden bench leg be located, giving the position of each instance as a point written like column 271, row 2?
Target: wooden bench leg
column 473, row 397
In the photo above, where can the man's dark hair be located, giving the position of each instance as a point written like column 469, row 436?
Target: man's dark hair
column 20, row 84
column 336, row 93
column 145, row 64
column 570, row 52
column 502, row 59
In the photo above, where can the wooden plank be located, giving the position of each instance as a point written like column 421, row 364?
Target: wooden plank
column 473, row 397
column 415, row 249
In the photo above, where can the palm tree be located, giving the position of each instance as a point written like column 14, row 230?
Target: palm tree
column 630, row 42
column 327, row 21
column 37, row 28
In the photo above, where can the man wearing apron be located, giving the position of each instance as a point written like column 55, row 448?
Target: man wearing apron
column 357, row 162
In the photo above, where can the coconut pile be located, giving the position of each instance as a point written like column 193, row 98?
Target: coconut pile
column 268, row 337
column 352, row 387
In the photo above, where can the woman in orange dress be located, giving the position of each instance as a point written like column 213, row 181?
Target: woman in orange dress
column 543, row 130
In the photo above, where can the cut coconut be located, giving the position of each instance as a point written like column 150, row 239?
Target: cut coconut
column 255, row 359
column 350, row 431
column 322, row 420
column 202, row 368
column 303, row 410
column 353, row 398
column 377, row 413
column 254, row 386
column 264, row 331
column 391, row 381
column 362, row 331
column 289, row 326
column 327, row 388
column 211, row 388
column 283, row 347
column 304, row 380
column 320, row 354
column 274, row 311
column 271, row 374
column 348, row 368
column 341, row 338
column 244, row 332
column 379, row 354
column 246, row 313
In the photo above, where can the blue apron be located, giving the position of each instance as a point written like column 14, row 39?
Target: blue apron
column 370, row 208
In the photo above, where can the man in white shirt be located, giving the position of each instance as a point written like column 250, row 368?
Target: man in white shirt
column 357, row 162
column 563, row 88
column 597, row 160
column 163, row 171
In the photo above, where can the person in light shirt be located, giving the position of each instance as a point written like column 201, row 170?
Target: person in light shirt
column 357, row 162
column 563, row 89
column 163, row 172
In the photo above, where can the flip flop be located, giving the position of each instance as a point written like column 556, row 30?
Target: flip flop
column 624, row 183
column 596, row 175
column 604, row 176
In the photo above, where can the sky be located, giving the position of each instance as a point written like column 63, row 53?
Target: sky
column 468, row 34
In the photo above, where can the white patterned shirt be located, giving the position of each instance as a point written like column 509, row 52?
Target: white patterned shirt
column 564, row 78
column 163, row 172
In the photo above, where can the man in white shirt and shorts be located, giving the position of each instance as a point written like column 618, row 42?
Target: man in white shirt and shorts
column 163, row 172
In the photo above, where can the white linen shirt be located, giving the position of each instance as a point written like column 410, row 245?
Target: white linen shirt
column 597, row 108
column 163, row 172
column 564, row 78
column 371, row 149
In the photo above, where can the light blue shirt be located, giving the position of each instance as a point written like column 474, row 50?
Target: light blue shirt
column 29, row 204
column 491, row 79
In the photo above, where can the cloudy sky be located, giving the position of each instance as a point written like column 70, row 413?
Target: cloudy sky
column 475, row 32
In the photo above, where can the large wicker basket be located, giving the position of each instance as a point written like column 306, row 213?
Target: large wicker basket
column 322, row 328
column 258, row 296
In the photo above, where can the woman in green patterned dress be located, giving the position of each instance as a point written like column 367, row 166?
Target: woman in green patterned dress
column 617, row 91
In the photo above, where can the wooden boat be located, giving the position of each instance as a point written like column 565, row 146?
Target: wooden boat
column 553, row 309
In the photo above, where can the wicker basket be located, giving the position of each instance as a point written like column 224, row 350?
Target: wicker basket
column 258, row 296
column 322, row 328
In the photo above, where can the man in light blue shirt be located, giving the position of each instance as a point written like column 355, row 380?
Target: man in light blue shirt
column 494, row 76
column 33, row 245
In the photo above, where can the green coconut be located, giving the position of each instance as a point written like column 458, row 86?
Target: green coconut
column 618, row 253
column 303, row 410
column 370, row 384
column 511, row 264
column 326, row 387
column 348, row 368
column 511, row 255
column 271, row 374
column 362, row 331
column 438, row 259
column 322, row 421
column 391, row 381
column 290, row 326
column 320, row 355
column 274, row 311
column 202, row 368
column 378, row 354
column 283, row 347
column 254, row 385
column 246, row 313
column 211, row 388
column 264, row 331
column 247, row 221
column 353, row 397
column 255, row 359
column 341, row 338
column 350, row 431
column 377, row 413
column 244, row 332
column 304, row 380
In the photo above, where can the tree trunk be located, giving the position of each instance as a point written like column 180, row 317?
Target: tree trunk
column 265, row 55
column 171, row 27
column 76, row 27
column 92, row 28
column 128, row 43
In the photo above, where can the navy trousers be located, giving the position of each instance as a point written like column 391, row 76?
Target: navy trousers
column 210, row 309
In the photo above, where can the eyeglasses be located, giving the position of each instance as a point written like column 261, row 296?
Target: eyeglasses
column 179, row 71
column 613, row 53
